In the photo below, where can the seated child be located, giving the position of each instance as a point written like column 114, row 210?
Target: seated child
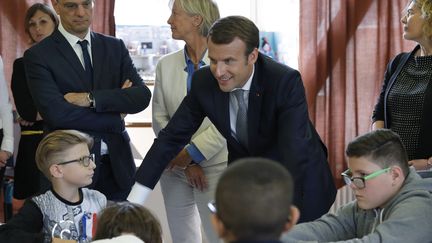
column 129, row 223
column 67, row 210
column 393, row 203
column 253, row 202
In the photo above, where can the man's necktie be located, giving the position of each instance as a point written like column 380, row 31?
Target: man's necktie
column 87, row 62
column 241, row 122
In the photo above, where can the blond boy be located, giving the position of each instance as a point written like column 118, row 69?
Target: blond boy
column 67, row 210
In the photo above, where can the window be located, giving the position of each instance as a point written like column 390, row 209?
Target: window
column 143, row 27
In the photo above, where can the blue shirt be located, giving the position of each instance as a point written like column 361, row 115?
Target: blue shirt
column 193, row 151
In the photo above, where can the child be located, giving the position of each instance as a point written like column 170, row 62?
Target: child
column 128, row 222
column 394, row 203
column 67, row 210
column 254, row 202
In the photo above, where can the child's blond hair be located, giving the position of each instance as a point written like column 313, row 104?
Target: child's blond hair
column 51, row 149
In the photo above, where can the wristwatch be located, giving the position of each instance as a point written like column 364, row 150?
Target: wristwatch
column 90, row 99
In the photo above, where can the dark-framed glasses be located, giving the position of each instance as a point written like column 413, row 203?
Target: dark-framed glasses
column 359, row 181
column 85, row 160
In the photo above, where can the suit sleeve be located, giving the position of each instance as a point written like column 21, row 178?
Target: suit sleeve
column 23, row 100
column 378, row 113
column 208, row 142
column 55, row 110
column 170, row 141
column 130, row 100
column 26, row 226
column 160, row 116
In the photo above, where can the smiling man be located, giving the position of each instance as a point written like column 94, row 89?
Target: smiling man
column 83, row 80
column 258, row 105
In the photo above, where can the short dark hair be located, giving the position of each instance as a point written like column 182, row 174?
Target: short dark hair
column 225, row 30
column 32, row 11
column 127, row 217
column 253, row 198
column 382, row 147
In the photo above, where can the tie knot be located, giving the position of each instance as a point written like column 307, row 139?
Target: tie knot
column 238, row 93
column 83, row 43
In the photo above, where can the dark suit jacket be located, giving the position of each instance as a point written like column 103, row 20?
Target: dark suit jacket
column 278, row 125
column 53, row 69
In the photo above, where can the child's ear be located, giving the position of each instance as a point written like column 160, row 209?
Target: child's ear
column 397, row 174
column 295, row 215
column 56, row 171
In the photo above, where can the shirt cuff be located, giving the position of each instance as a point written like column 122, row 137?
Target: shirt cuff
column 194, row 153
column 138, row 194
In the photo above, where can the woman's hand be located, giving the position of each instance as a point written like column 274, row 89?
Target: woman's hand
column 196, row 177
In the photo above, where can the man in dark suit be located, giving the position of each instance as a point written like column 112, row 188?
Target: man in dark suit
column 277, row 123
column 83, row 80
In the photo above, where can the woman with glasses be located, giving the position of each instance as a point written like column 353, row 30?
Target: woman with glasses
column 393, row 203
column 39, row 22
column 405, row 102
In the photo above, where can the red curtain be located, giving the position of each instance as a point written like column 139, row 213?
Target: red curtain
column 14, row 41
column 345, row 46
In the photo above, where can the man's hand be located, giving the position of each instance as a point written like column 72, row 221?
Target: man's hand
column 126, row 84
column 182, row 160
column 79, row 99
column 4, row 156
column 23, row 122
column 196, row 177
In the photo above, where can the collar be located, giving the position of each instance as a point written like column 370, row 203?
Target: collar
column 248, row 84
column 72, row 39
column 189, row 61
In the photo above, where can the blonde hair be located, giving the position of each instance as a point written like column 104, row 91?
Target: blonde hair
column 207, row 9
column 52, row 147
column 425, row 7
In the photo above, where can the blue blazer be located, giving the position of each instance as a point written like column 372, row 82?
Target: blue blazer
column 53, row 69
column 278, row 125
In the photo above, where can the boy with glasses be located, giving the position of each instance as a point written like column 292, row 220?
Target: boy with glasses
column 393, row 203
column 66, row 211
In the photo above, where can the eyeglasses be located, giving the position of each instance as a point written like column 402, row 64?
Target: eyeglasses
column 85, row 160
column 212, row 206
column 359, row 181
column 74, row 6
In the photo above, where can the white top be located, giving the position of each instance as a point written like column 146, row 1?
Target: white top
column 6, row 117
